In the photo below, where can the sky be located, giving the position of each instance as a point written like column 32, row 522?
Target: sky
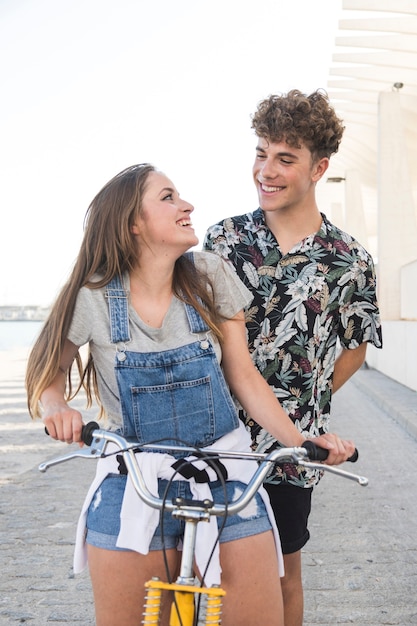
column 89, row 87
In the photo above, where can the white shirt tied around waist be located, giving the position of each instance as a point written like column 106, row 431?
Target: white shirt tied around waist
column 138, row 521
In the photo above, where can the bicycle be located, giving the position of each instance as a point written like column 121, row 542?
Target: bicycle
column 186, row 605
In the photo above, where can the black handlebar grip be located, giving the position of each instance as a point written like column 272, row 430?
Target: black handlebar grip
column 315, row 453
column 87, row 432
column 354, row 457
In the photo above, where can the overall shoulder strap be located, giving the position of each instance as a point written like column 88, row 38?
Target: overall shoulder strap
column 197, row 324
column 118, row 310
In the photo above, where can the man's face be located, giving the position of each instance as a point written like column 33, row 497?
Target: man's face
column 284, row 176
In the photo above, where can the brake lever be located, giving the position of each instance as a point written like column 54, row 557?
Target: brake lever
column 96, row 451
column 362, row 480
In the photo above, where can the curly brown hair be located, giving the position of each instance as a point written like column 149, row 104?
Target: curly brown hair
column 297, row 119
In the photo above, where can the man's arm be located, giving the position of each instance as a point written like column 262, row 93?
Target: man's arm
column 259, row 401
column 347, row 363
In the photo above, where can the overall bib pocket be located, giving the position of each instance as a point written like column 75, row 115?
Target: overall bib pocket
column 191, row 416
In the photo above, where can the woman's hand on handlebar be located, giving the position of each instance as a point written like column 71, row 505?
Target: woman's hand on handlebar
column 63, row 422
column 340, row 450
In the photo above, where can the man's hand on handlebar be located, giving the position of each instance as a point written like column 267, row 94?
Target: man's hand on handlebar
column 340, row 450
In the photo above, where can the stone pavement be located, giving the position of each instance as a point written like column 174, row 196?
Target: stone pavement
column 360, row 566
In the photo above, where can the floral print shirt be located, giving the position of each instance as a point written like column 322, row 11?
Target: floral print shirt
column 307, row 304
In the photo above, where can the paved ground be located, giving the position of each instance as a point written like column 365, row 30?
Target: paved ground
column 360, row 566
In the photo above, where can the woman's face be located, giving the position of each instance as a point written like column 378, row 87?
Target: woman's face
column 165, row 223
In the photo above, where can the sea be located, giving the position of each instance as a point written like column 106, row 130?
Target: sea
column 16, row 340
column 18, row 334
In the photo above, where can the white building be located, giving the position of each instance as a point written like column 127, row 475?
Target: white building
column 371, row 187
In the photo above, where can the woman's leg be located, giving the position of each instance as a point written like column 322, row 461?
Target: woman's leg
column 118, row 580
column 251, row 580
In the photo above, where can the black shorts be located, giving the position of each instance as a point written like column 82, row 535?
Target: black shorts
column 291, row 506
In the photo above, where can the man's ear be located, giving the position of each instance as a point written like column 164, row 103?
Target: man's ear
column 319, row 168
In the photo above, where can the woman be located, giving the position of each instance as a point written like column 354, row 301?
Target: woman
column 158, row 323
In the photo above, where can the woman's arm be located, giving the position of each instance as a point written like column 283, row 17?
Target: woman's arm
column 62, row 422
column 258, row 399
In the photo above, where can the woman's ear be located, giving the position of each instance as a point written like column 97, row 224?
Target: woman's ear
column 134, row 229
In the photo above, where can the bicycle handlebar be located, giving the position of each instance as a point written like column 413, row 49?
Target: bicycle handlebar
column 314, row 452
column 98, row 440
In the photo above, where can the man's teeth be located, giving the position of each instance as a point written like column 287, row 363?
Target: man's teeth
column 270, row 189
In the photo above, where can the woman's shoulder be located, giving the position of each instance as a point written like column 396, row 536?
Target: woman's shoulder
column 226, row 283
column 91, row 292
column 207, row 261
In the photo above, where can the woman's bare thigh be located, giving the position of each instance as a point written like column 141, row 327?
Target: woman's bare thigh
column 118, row 580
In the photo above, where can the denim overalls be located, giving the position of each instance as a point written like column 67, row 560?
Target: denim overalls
column 172, row 396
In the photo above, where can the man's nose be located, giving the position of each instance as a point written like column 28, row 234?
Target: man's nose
column 268, row 170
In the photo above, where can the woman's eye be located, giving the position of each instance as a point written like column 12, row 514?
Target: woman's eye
column 169, row 196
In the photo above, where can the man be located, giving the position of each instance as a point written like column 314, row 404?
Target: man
column 314, row 293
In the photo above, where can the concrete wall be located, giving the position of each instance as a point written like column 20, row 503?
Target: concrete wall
column 409, row 291
column 398, row 357
column 397, row 226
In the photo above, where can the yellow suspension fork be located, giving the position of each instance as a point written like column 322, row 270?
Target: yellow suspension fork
column 183, row 607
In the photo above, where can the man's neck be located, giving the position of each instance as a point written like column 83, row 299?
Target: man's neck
column 291, row 227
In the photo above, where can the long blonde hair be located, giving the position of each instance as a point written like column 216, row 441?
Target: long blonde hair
column 108, row 249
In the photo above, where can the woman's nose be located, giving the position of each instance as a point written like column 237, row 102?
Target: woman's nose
column 188, row 207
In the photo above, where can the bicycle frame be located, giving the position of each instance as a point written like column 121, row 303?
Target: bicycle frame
column 183, row 611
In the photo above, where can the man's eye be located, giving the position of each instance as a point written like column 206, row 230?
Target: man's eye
column 286, row 162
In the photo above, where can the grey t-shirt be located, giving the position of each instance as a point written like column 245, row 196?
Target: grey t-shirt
column 90, row 324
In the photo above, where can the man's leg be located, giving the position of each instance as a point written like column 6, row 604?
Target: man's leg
column 291, row 506
column 292, row 590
